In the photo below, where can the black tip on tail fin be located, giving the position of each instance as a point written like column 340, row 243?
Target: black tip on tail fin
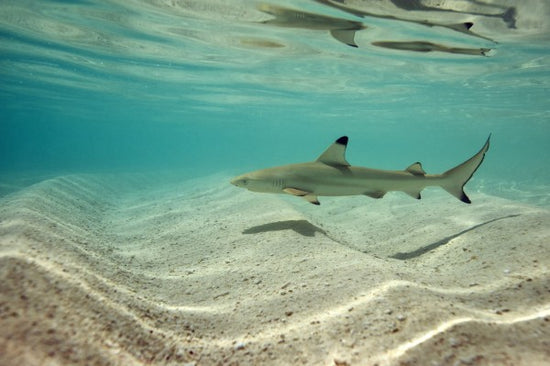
column 465, row 198
column 342, row 140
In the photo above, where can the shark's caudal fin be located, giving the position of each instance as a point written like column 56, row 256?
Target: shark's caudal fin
column 455, row 178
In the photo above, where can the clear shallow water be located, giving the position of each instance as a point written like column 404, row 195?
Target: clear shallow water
column 204, row 86
column 127, row 265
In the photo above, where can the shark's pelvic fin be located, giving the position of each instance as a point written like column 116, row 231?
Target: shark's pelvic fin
column 457, row 177
column 335, row 154
column 416, row 169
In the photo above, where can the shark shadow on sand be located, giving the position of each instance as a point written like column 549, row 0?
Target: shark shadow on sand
column 427, row 248
column 302, row 227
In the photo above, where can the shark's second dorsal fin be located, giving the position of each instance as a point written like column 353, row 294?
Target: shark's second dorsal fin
column 335, row 154
column 416, row 169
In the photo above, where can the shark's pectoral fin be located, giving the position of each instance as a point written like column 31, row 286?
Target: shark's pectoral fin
column 311, row 198
column 375, row 194
column 346, row 36
column 296, row 192
column 308, row 196
column 416, row 169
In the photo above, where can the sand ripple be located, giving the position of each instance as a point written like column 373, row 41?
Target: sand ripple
column 124, row 270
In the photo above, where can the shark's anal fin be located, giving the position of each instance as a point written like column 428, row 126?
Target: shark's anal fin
column 375, row 194
column 335, row 154
column 414, row 194
column 416, row 169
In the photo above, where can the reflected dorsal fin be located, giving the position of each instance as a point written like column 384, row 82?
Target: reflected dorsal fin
column 335, row 154
column 416, row 169
column 346, row 36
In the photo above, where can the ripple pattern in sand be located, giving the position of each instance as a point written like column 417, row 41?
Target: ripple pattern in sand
column 124, row 270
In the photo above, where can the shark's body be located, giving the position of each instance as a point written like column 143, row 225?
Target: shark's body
column 332, row 175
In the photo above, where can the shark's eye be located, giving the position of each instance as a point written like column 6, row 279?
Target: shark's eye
column 245, row 182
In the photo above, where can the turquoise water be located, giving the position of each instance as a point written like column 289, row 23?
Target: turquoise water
column 122, row 241
column 208, row 86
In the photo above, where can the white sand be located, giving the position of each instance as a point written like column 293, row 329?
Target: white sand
column 121, row 270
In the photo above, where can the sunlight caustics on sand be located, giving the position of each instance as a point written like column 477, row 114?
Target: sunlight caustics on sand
column 113, row 269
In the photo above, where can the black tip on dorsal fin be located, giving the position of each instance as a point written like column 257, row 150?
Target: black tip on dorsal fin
column 468, row 25
column 342, row 141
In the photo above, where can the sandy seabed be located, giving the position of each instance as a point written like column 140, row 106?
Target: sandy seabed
column 123, row 270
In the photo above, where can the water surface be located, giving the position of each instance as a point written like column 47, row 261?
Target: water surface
column 204, row 86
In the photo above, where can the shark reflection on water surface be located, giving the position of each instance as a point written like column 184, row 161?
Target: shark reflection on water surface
column 344, row 30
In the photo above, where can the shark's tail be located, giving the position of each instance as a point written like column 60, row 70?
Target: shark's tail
column 455, row 178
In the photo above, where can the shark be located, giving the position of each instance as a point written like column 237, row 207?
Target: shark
column 331, row 175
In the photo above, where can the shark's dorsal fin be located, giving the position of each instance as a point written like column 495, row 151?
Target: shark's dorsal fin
column 416, row 169
column 335, row 154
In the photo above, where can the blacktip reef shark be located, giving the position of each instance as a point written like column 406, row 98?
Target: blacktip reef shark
column 332, row 175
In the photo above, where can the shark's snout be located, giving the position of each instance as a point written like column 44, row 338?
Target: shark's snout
column 239, row 181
